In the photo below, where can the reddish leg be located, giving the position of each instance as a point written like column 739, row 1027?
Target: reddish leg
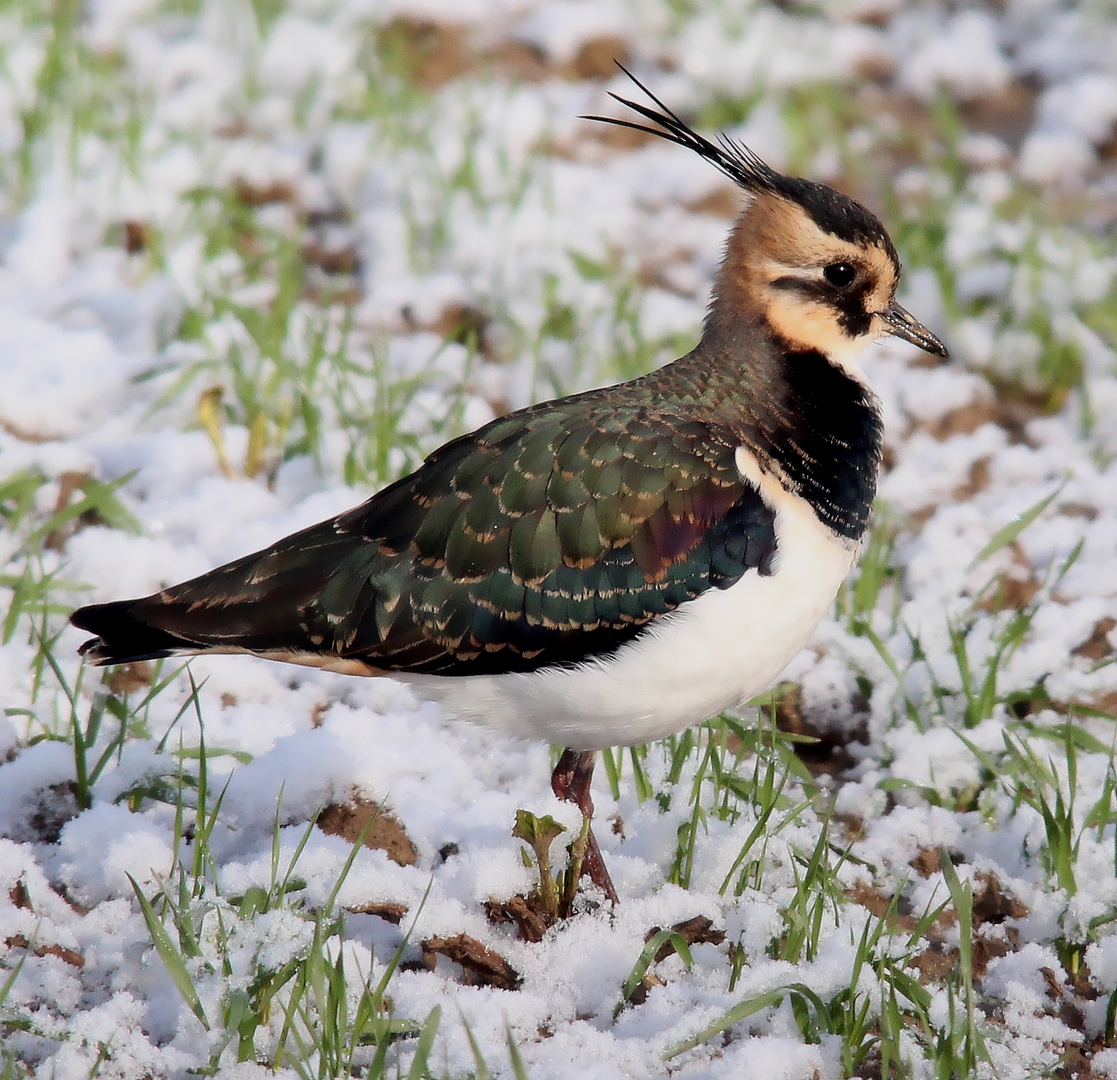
column 571, row 782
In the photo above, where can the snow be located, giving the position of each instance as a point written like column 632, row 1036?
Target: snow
column 487, row 194
column 105, row 845
column 963, row 58
column 560, row 30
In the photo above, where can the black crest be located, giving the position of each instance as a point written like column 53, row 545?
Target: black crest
column 736, row 160
column 830, row 210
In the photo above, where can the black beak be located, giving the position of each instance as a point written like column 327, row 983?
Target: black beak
column 903, row 324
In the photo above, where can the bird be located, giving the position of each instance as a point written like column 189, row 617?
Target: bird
column 614, row 566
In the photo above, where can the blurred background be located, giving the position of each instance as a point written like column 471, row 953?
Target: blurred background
column 259, row 257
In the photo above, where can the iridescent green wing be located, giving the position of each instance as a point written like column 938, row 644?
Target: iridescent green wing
column 550, row 536
column 547, row 537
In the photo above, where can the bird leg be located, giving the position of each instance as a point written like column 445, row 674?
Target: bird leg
column 571, row 782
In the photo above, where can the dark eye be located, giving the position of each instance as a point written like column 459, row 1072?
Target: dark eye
column 839, row 274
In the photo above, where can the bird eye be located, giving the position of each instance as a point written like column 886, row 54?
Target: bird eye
column 839, row 274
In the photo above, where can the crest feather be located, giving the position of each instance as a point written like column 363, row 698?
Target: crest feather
column 734, row 159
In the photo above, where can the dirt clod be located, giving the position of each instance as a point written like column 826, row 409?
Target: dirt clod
column 278, row 191
column 127, row 678
column 56, row 805
column 137, row 236
column 992, row 904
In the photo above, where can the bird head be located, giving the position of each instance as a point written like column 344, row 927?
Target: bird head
column 811, row 264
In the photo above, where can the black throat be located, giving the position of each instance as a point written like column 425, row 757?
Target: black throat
column 826, row 438
column 806, row 420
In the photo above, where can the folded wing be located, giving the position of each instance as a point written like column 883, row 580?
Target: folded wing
column 547, row 537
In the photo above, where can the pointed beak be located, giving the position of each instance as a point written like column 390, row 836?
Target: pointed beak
column 903, row 324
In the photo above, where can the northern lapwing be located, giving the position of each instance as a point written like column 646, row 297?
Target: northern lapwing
column 614, row 566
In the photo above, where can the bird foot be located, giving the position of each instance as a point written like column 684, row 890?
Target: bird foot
column 571, row 783
column 593, row 867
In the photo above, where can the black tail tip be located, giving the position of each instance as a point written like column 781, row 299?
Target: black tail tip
column 121, row 638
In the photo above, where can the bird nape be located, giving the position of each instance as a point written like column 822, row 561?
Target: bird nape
column 611, row 567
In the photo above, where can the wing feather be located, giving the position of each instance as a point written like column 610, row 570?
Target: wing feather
column 547, row 537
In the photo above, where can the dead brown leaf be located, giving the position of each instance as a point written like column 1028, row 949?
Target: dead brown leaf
column 69, row 485
column 871, row 898
column 1078, row 510
column 331, row 260
column 927, row 861
column 480, row 965
column 698, row 930
column 640, row 993
column 519, row 60
column 985, row 949
column 463, row 324
column 385, row 831
column 432, row 53
column 530, row 917
column 1053, row 983
column 67, row 956
column 1107, row 704
column 828, row 753
column 964, row 420
column 19, row 895
column 1011, row 594
column 724, row 201
column 383, row 909
column 853, row 825
column 1006, row 114
column 976, row 482
column 325, row 295
column 1096, row 646
column 618, row 138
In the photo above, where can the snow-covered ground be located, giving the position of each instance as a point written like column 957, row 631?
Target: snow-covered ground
column 258, row 259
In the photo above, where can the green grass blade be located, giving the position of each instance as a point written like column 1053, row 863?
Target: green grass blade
column 171, row 957
column 418, row 1068
column 741, row 1011
column 519, row 1071
column 1007, row 533
column 647, row 958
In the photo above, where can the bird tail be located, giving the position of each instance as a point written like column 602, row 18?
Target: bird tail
column 122, row 637
column 270, row 603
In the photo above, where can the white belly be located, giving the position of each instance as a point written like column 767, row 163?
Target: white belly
column 712, row 653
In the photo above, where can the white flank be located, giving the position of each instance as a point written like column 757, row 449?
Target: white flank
column 712, row 653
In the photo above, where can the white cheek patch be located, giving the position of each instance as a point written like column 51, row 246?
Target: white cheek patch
column 773, row 271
